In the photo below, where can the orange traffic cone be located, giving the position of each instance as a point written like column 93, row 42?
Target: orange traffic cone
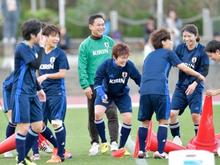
column 205, row 139
column 8, row 144
column 152, row 144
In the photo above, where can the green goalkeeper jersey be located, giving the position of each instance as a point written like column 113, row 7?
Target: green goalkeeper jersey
column 92, row 52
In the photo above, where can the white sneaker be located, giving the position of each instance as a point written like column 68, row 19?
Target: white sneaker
column 45, row 147
column 114, row 146
column 94, row 149
column 8, row 154
column 157, row 155
column 177, row 140
column 218, row 151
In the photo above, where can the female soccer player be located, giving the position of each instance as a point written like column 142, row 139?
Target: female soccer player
column 52, row 71
column 189, row 90
column 111, row 85
column 213, row 51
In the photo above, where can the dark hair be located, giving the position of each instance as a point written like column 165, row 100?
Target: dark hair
column 93, row 17
column 158, row 36
column 212, row 46
column 120, row 49
column 30, row 27
column 50, row 29
column 191, row 28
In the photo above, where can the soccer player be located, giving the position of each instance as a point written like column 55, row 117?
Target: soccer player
column 154, row 89
column 26, row 92
column 188, row 91
column 10, row 130
column 92, row 52
column 213, row 51
column 111, row 86
column 6, row 90
column 52, row 71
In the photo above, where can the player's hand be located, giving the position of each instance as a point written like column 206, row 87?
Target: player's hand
column 105, row 99
column 102, row 94
column 88, row 92
column 41, row 95
column 191, row 88
column 40, row 79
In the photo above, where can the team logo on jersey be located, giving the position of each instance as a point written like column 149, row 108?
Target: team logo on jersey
column 36, row 55
column 124, row 74
column 194, row 59
column 52, row 60
column 106, row 44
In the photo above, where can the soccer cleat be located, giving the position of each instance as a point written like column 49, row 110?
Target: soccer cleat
column 114, row 146
column 157, row 155
column 35, row 157
column 94, row 149
column 8, row 154
column 55, row 159
column 177, row 140
column 44, row 146
column 67, row 154
column 119, row 153
column 141, row 155
column 104, row 148
column 127, row 153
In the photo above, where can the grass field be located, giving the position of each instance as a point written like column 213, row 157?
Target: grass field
column 78, row 140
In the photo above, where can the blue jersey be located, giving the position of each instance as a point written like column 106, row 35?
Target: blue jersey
column 156, row 71
column 52, row 63
column 197, row 59
column 25, row 81
column 115, row 78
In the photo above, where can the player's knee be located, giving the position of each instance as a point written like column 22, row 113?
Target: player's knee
column 195, row 118
column 126, row 118
column 145, row 123
column 173, row 116
column 57, row 123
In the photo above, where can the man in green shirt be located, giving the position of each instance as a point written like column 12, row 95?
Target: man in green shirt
column 94, row 50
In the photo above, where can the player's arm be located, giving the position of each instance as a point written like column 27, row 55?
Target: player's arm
column 190, row 71
column 82, row 72
column 213, row 92
column 59, row 75
column 135, row 74
column 100, row 75
column 203, row 69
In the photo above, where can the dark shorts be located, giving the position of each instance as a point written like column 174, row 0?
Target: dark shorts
column 180, row 101
column 123, row 103
column 26, row 109
column 150, row 103
column 6, row 100
column 54, row 108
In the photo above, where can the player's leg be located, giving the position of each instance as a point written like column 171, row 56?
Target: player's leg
column 57, row 108
column 36, row 118
column 195, row 105
column 21, row 116
column 100, row 109
column 91, row 125
column 144, row 115
column 10, row 130
column 161, row 105
column 46, row 132
column 178, row 105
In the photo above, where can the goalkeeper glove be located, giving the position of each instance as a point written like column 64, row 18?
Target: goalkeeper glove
column 102, row 94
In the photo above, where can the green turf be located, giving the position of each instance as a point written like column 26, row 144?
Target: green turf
column 78, row 140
